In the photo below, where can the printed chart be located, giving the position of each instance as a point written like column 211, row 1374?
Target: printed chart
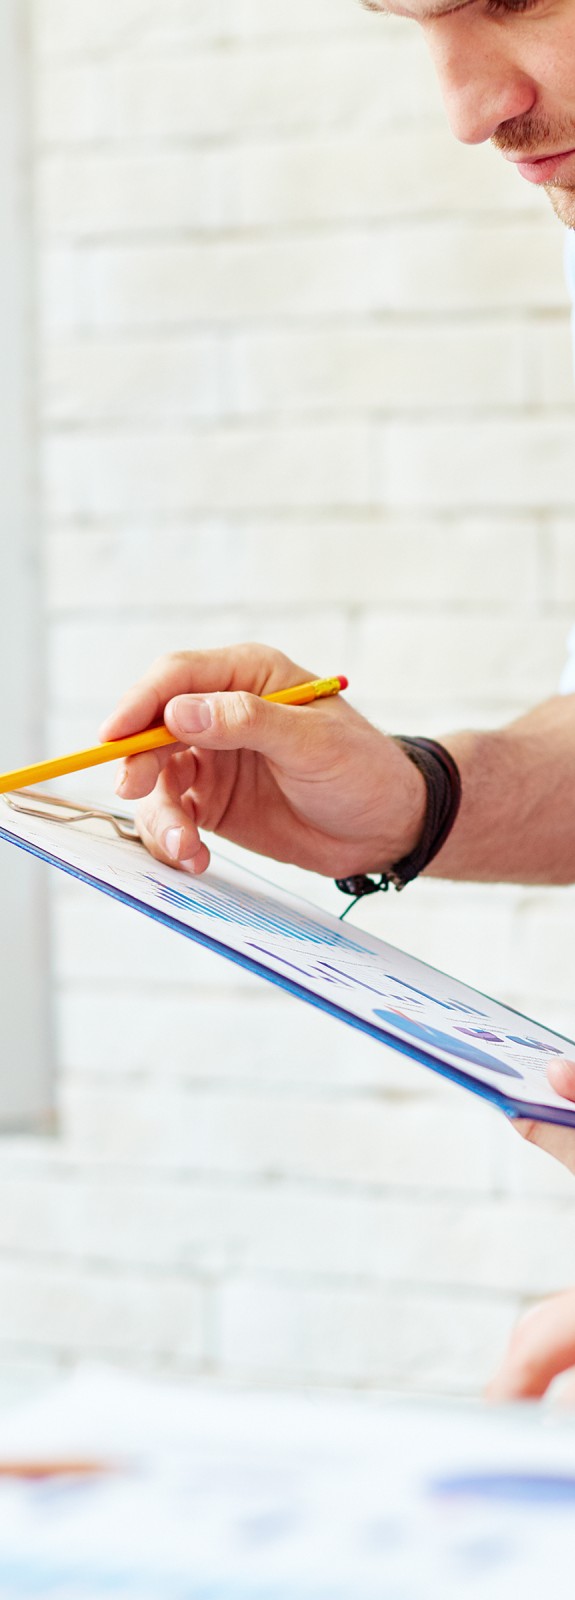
column 429, row 1016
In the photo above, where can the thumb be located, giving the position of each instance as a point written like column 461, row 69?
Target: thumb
column 561, row 1075
column 241, row 721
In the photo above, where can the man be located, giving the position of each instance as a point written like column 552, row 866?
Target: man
column 324, row 788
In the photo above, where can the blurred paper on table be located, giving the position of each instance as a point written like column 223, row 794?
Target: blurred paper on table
column 259, row 1497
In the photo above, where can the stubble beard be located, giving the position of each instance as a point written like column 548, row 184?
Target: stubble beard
column 532, row 135
column 563, row 202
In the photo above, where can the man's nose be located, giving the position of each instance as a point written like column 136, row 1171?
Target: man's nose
column 481, row 86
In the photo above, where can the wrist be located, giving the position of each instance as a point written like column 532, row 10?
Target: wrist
column 404, row 826
column 422, row 839
column 443, row 785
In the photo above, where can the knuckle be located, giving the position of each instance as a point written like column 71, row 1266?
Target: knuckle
column 171, row 659
column 142, row 773
column 246, row 651
column 519, row 1343
column 527, row 1371
column 244, row 710
column 235, row 713
column 148, row 817
column 266, row 654
column 253, row 647
column 524, row 1344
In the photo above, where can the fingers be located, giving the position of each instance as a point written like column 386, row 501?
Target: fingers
column 557, row 1141
column 230, row 721
column 139, row 775
column 250, row 666
column 542, row 1346
column 167, row 823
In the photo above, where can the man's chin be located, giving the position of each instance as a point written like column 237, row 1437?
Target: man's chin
column 563, row 202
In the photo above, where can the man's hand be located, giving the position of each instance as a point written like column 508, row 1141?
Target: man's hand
column 543, row 1343
column 550, row 1136
column 316, row 785
column 541, row 1346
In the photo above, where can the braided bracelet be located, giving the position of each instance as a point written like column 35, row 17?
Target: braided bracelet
column 443, row 784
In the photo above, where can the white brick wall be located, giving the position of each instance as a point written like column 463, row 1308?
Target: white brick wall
column 303, row 371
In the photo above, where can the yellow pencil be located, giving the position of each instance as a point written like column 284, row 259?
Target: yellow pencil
column 306, row 692
column 151, row 739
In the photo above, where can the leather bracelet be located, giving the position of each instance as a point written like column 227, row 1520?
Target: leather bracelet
column 443, row 784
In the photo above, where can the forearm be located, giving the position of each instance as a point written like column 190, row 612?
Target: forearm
column 517, row 818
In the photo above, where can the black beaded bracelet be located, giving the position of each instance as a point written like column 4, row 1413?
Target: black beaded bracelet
column 443, row 784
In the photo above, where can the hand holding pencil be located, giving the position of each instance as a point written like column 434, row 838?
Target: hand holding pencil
column 324, row 789
column 155, row 738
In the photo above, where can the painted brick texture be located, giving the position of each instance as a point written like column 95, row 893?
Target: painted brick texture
column 303, row 374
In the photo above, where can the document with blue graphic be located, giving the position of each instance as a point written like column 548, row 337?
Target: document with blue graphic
column 207, row 1496
column 225, row 1496
column 405, row 1004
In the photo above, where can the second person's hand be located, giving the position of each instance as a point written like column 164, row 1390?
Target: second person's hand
column 556, row 1140
column 541, row 1348
column 316, row 785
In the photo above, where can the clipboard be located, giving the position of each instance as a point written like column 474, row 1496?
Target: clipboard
column 428, row 1016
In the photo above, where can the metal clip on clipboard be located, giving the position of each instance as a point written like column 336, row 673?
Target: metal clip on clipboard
column 52, row 808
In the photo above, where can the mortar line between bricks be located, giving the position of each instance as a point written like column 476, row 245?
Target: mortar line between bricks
column 90, row 1173
column 346, row 1187
column 238, row 423
column 430, row 520
column 61, row 1265
column 390, row 315
column 351, row 322
column 282, row 230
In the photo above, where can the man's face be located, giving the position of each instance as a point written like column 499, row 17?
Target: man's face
column 507, row 73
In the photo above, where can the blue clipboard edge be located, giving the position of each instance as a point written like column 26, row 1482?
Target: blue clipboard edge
column 514, row 1109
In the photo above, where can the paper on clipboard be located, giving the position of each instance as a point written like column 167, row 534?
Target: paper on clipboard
column 425, row 1014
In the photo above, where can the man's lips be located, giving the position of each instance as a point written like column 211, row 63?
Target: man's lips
column 541, row 169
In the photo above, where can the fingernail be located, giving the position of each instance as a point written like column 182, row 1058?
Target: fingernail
column 193, row 716
column 121, row 781
column 189, row 866
column 172, row 841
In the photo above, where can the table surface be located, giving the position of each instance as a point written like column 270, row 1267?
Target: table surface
column 211, row 1495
